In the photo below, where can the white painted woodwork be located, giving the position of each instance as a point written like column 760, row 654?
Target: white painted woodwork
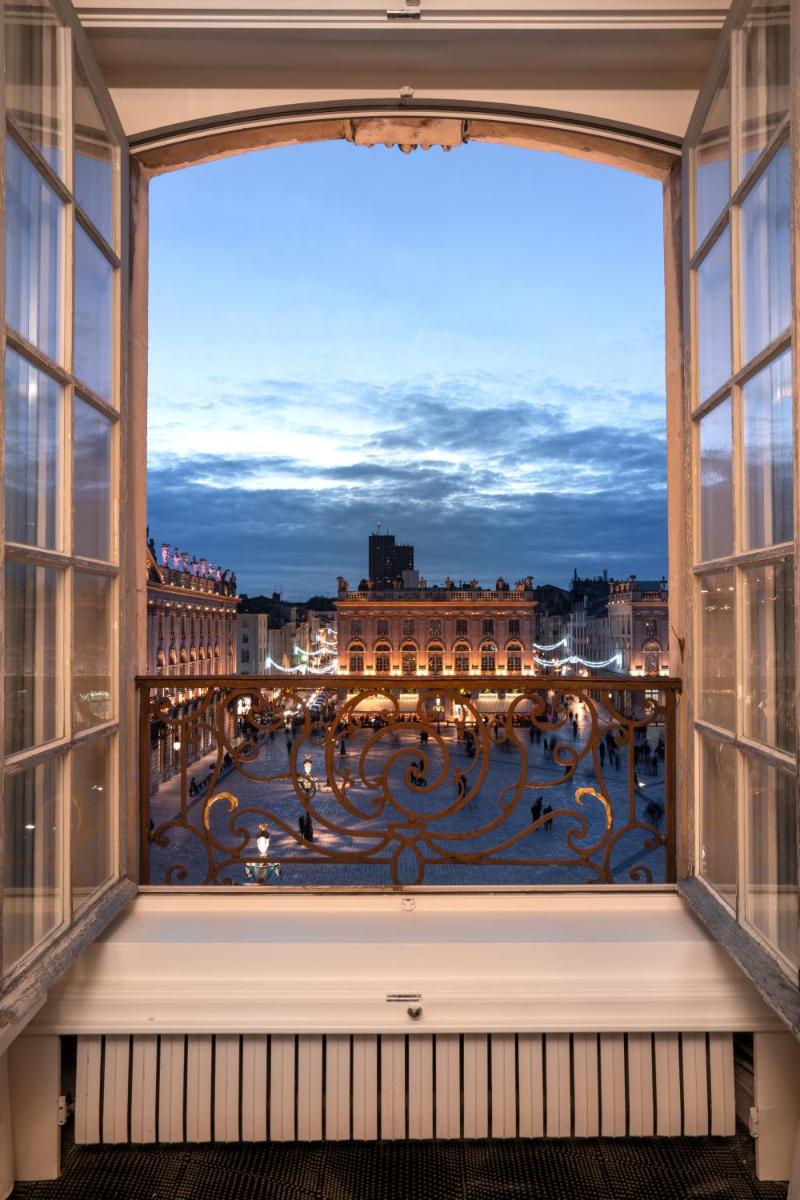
column 420, row 1086
column 281, row 1088
column 34, row 1085
column 87, row 1089
column 198, row 1088
column 530, row 1066
column 254, row 1088
column 504, row 1085
column 393, row 1087
column 723, row 1090
column 586, row 1085
column 226, row 1088
column 365, row 1087
column 172, row 1057
column 309, row 1088
column 115, row 1088
column 640, row 1085
column 612, row 1085
column 337, row 1088
column 475, row 1084
column 557, row 1070
column 448, row 1085
column 776, row 1058
column 144, row 1087
column 621, row 963
column 668, row 1085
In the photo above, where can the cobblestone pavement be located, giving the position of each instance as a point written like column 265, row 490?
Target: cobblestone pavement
column 491, row 816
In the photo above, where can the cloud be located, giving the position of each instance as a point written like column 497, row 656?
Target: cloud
column 484, row 476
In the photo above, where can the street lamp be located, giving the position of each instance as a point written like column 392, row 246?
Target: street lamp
column 261, row 870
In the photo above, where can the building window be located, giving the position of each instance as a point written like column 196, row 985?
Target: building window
column 382, row 627
column 435, row 627
column 245, row 656
column 245, row 638
column 514, row 664
column 382, row 664
column 744, row 566
column 513, row 627
column 409, row 626
column 356, row 628
column 461, row 627
column 356, row 664
column 435, row 663
column 488, row 627
column 461, row 664
column 409, row 660
column 488, row 662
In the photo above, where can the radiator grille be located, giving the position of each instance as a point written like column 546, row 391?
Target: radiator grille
column 364, row 1087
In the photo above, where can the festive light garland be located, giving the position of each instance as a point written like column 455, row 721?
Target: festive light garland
column 576, row 660
column 555, row 646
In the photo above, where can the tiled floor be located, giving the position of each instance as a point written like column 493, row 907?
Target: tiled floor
column 630, row 1169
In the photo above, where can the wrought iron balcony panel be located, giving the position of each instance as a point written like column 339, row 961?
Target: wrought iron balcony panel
column 362, row 781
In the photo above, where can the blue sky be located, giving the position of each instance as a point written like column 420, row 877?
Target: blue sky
column 465, row 347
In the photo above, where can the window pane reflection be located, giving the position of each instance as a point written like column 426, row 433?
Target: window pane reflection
column 33, row 254
column 32, row 454
column 716, row 486
column 772, row 856
column 91, row 650
column 712, row 163
column 714, row 317
column 765, row 95
column 32, row 655
column 91, row 485
column 768, row 455
column 766, row 266
column 94, row 160
column 93, row 316
column 717, row 649
column 34, row 84
column 32, row 904
column 92, row 839
column 769, row 658
column 718, row 832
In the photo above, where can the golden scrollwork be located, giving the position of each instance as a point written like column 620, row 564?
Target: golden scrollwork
column 411, row 781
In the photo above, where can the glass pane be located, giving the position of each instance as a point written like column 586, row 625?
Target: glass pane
column 714, row 317
column 32, row 905
column 766, row 266
column 91, row 482
column 32, row 463
column 769, row 659
column 716, row 486
column 768, row 455
column 712, row 163
column 33, row 254
column 91, row 651
column 765, row 95
column 34, row 84
column 717, row 649
column 32, row 653
column 772, row 856
column 718, row 832
column 93, row 316
column 92, row 830
column 95, row 157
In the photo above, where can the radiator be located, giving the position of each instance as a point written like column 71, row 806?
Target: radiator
column 279, row 1087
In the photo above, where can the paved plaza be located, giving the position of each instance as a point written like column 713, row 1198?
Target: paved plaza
column 502, row 784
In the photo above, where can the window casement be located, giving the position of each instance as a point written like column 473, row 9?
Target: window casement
column 63, row 416
column 741, row 409
column 383, row 658
column 435, row 659
column 435, row 627
column 514, row 658
column 462, row 627
column 356, row 628
column 408, row 659
column 488, row 627
column 461, row 658
column 382, row 627
column 513, row 627
column 409, row 627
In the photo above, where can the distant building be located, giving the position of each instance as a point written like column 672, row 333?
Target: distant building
column 388, row 561
column 252, row 643
column 638, row 618
column 191, row 633
column 455, row 629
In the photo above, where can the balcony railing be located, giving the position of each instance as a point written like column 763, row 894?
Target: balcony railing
column 354, row 781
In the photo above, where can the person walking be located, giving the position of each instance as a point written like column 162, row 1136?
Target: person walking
column 536, row 810
column 342, row 748
column 461, row 784
column 547, row 810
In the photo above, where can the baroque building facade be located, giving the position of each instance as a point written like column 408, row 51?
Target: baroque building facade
column 436, row 631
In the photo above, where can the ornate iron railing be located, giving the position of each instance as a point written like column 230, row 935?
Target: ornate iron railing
column 362, row 781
